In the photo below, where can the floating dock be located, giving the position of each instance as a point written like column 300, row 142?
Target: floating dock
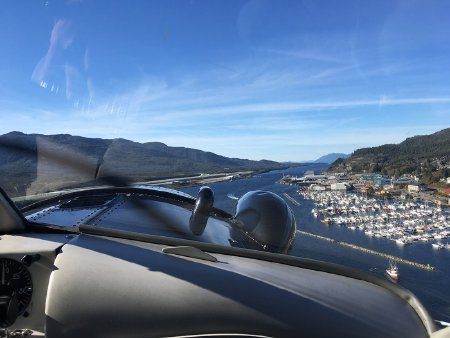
column 291, row 199
column 369, row 251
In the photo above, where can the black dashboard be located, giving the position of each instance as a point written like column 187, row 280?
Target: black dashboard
column 85, row 271
column 97, row 286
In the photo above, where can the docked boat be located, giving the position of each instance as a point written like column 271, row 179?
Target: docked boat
column 402, row 241
column 392, row 271
column 438, row 245
column 327, row 221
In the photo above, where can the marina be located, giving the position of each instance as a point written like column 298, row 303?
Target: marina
column 404, row 223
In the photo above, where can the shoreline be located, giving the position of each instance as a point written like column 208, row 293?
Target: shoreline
column 170, row 183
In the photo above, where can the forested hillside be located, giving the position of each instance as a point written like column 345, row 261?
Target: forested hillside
column 427, row 156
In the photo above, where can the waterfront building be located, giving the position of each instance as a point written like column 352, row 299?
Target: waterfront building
column 382, row 181
column 370, row 178
column 341, row 186
column 416, row 187
column 403, row 182
column 317, row 187
column 359, row 186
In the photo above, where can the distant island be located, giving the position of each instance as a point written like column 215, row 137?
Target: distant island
column 34, row 163
column 426, row 156
column 330, row 158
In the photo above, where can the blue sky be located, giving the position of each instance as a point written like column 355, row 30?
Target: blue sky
column 282, row 80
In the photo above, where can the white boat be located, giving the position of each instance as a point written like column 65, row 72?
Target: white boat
column 438, row 245
column 392, row 271
column 400, row 241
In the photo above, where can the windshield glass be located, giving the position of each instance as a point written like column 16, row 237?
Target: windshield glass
column 318, row 102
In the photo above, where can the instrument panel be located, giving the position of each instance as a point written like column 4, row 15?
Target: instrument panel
column 16, row 289
column 26, row 263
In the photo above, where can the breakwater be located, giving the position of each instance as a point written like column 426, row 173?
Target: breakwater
column 369, row 251
column 291, row 199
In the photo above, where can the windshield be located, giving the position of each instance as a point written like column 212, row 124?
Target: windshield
column 319, row 102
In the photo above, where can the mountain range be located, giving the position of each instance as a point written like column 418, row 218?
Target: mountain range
column 427, row 156
column 34, row 163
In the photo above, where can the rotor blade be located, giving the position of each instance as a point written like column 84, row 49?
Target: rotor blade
column 65, row 160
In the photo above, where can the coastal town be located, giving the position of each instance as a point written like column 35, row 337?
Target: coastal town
column 404, row 209
column 407, row 187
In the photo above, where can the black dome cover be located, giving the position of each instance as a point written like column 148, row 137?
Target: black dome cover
column 267, row 218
